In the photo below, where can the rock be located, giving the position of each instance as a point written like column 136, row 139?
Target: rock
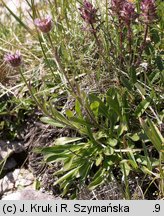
column 28, row 194
column 16, row 179
column 13, row 196
column 8, row 148
column 24, row 178
column 7, row 183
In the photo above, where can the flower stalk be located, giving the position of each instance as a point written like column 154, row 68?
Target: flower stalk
column 89, row 15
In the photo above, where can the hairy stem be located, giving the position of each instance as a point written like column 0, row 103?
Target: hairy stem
column 143, row 45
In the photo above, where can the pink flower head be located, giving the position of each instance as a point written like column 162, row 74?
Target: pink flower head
column 14, row 59
column 148, row 11
column 128, row 13
column 88, row 12
column 45, row 25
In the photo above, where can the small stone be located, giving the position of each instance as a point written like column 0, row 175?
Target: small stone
column 18, row 178
column 23, row 178
column 7, row 183
column 13, row 196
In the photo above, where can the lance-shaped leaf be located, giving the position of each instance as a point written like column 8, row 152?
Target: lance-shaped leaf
column 153, row 134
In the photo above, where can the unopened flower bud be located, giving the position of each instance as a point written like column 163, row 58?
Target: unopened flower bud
column 128, row 13
column 148, row 11
column 88, row 12
column 44, row 25
column 14, row 59
column 116, row 6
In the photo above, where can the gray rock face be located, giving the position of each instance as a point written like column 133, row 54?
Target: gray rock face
column 16, row 179
column 28, row 194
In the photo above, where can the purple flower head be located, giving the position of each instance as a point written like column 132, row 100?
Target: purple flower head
column 148, row 11
column 14, row 59
column 128, row 13
column 116, row 6
column 45, row 25
column 88, row 12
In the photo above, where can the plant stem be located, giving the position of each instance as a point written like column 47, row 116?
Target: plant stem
column 44, row 54
column 95, row 35
column 127, row 190
column 130, row 38
column 161, row 174
column 59, row 64
column 142, row 47
column 32, row 95
column 61, row 69
column 120, row 42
